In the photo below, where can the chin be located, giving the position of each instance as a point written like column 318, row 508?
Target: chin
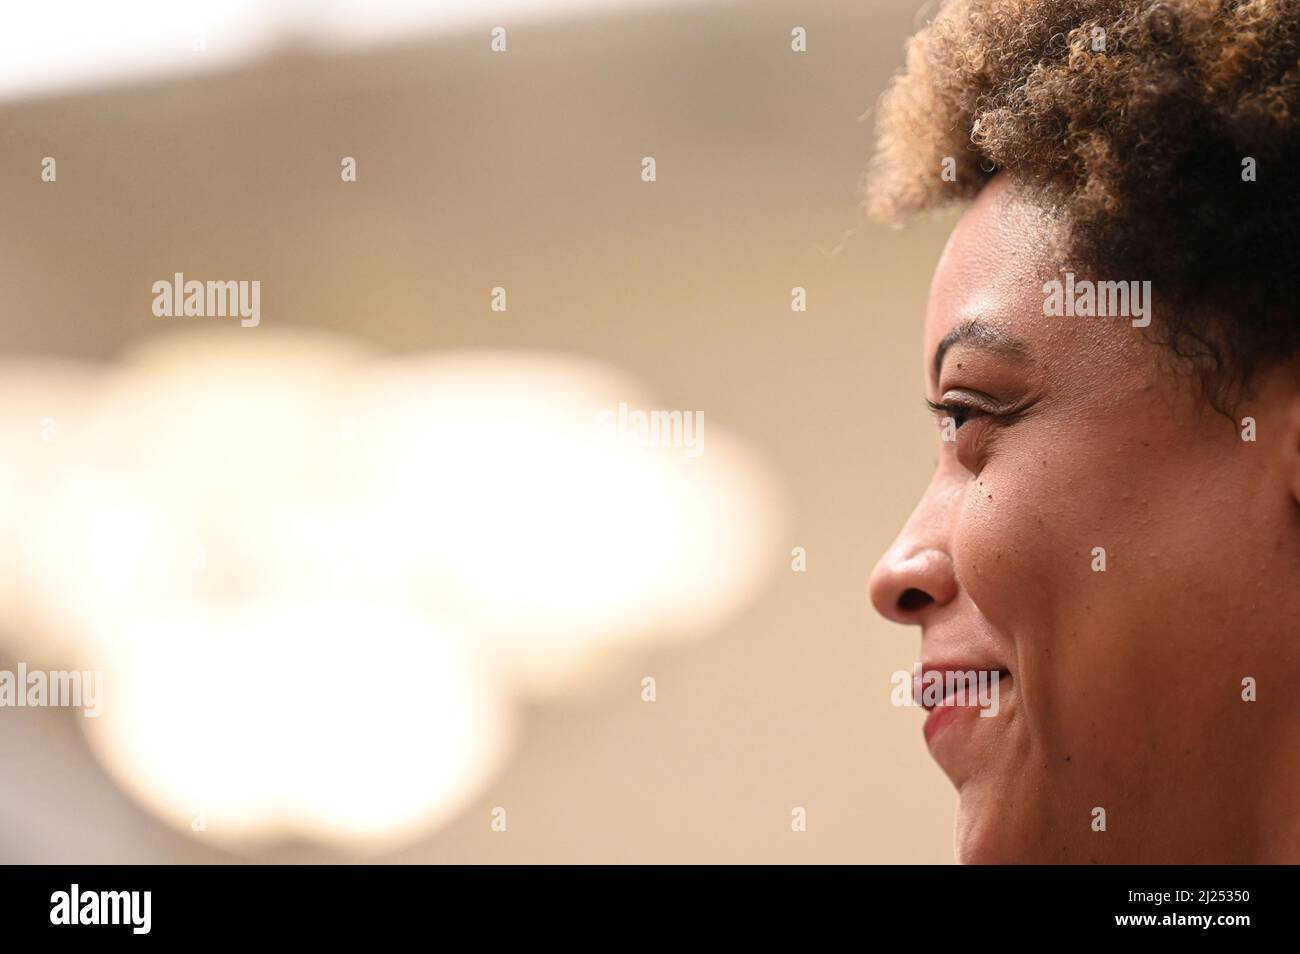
column 983, row 834
column 977, row 836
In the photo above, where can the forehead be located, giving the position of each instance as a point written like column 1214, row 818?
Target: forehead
column 993, row 270
column 993, row 267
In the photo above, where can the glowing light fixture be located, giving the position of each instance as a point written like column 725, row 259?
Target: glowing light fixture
column 316, row 582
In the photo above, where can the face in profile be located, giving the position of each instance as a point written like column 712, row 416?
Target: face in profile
column 1123, row 555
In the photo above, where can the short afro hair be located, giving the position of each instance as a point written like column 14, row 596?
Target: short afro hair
column 1135, row 121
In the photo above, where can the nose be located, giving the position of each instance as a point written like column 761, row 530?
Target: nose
column 916, row 573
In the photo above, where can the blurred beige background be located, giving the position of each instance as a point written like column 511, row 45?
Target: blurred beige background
column 523, row 170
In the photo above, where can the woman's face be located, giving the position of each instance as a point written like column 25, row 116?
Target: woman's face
column 1121, row 689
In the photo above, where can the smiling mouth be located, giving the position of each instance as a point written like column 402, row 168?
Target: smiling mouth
column 955, row 685
column 960, row 695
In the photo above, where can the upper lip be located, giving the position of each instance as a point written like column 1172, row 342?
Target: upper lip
column 961, row 665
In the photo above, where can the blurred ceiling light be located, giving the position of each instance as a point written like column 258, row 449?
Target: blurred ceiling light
column 45, row 410
column 512, row 511
column 194, row 477
column 342, row 723
column 76, row 44
column 241, row 516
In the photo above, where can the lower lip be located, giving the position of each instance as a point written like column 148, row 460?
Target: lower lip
column 941, row 717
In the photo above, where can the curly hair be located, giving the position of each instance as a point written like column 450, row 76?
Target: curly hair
column 1141, row 124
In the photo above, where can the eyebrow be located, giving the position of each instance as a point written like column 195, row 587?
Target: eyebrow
column 976, row 333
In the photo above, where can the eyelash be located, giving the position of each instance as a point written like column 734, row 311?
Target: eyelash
column 960, row 413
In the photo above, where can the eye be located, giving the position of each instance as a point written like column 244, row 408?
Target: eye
column 960, row 413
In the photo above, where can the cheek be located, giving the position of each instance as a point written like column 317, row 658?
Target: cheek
column 1022, row 542
column 1098, row 558
column 1039, row 547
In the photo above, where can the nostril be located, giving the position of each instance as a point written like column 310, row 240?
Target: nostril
column 914, row 599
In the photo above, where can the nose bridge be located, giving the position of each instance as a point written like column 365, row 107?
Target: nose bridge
column 917, row 570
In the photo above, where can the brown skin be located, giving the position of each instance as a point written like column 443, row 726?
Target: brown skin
column 1125, row 686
